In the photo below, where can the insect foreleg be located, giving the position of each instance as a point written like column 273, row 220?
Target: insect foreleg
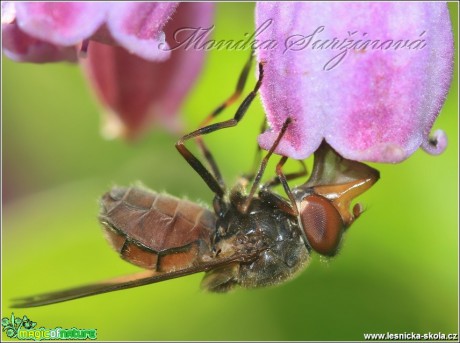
column 291, row 176
column 235, row 96
column 211, row 180
column 263, row 165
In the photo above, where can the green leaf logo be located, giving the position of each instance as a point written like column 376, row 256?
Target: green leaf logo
column 12, row 325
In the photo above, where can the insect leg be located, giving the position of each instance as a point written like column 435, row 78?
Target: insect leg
column 236, row 94
column 263, row 165
column 291, row 176
column 283, row 179
column 287, row 206
column 257, row 156
column 208, row 178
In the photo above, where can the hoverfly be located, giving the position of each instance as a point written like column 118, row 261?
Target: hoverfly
column 251, row 240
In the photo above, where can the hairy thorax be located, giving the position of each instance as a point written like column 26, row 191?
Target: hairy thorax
column 271, row 234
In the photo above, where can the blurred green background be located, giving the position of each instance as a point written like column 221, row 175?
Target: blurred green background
column 397, row 271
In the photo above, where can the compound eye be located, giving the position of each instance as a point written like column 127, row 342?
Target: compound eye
column 321, row 223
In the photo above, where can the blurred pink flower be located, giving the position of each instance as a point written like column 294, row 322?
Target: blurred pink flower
column 137, row 92
column 374, row 101
column 136, row 26
column 137, row 78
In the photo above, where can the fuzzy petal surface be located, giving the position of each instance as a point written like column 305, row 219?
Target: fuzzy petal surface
column 369, row 104
column 61, row 23
column 138, row 27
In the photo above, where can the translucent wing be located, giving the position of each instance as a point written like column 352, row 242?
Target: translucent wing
column 124, row 282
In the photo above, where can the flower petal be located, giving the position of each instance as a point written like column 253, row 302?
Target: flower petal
column 138, row 92
column 21, row 47
column 8, row 12
column 374, row 104
column 138, row 26
column 61, row 23
column 405, row 88
column 285, row 89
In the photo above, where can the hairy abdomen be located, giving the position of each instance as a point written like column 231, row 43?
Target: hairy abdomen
column 156, row 231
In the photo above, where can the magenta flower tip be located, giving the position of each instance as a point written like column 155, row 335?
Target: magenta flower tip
column 436, row 144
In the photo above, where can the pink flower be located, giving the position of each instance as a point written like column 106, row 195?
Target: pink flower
column 136, row 92
column 135, row 74
column 368, row 77
column 136, row 26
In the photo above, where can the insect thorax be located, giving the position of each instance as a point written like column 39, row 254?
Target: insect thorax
column 274, row 234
